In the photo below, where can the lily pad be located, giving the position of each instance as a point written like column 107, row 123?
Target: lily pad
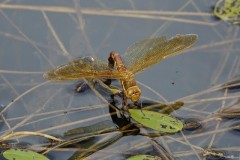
column 228, row 10
column 144, row 157
column 18, row 154
column 156, row 121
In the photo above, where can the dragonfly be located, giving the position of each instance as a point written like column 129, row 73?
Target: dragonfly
column 137, row 58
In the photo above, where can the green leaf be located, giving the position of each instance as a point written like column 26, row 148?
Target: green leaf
column 156, row 121
column 18, row 154
column 228, row 10
column 144, row 157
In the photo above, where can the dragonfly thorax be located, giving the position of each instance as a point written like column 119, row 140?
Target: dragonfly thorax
column 133, row 93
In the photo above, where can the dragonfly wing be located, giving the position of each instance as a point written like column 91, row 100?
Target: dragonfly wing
column 143, row 54
column 83, row 67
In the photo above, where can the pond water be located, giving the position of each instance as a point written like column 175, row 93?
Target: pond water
column 39, row 35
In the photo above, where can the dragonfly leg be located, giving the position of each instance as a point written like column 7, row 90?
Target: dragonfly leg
column 138, row 104
column 124, row 103
column 124, row 100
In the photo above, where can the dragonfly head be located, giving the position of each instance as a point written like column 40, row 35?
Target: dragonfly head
column 133, row 93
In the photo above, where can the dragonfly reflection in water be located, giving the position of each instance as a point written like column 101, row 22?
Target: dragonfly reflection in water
column 138, row 57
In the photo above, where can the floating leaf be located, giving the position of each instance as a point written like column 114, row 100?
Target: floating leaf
column 156, row 121
column 228, row 10
column 144, row 157
column 192, row 124
column 18, row 154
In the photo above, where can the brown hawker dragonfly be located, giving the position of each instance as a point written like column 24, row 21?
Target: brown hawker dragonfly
column 138, row 57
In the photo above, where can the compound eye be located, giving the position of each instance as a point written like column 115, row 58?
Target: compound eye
column 129, row 93
column 135, row 97
column 133, row 93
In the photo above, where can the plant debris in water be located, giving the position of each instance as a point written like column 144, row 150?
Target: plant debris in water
column 144, row 157
column 212, row 154
column 87, row 139
column 88, row 146
column 234, row 83
column 164, row 108
column 236, row 127
column 100, row 127
column 228, row 10
column 231, row 111
column 156, row 121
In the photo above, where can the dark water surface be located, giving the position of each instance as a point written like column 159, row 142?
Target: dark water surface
column 35, row 37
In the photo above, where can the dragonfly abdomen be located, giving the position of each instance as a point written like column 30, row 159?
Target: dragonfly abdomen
column 129, row 85
column 116, row 59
